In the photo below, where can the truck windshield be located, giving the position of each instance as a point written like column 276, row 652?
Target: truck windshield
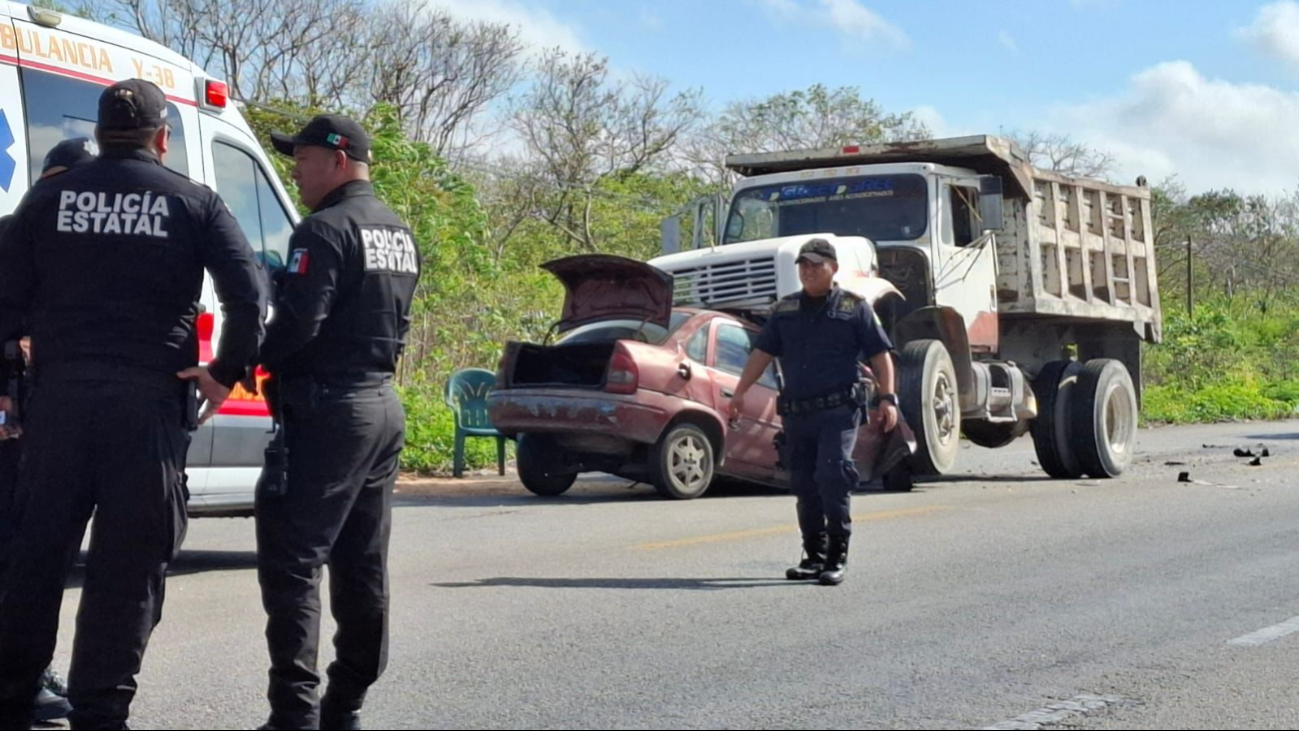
column 879, row 207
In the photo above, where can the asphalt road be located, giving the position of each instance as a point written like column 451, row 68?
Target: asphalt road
column 995, row 597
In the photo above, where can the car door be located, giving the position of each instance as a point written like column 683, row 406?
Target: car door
column 749, row 440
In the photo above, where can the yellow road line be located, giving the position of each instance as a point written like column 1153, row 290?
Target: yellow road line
column 741, row 535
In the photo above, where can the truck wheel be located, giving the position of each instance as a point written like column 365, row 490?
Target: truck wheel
column 1104, row 418
column 993, row 434
column 540, row 465
column 682, row 463
column 1054, row 387
column 927, row 390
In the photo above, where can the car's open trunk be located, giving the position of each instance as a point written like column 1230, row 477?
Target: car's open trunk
column 581, row 365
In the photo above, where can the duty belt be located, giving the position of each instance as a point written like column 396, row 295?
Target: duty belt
column 842, row 397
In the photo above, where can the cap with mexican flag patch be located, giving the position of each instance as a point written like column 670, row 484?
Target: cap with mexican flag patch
column 332, row 131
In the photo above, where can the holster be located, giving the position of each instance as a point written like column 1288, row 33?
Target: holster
column 274, row 480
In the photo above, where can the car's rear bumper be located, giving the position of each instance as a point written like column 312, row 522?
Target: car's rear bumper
column 639, row 417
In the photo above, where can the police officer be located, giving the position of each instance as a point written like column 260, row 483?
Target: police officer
column 340, row 323
column 105, row 263
column 820, row 334
column 51, row 701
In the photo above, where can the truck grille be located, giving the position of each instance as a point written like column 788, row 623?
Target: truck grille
column 745, row 281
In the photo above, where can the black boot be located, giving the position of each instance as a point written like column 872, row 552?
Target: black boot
column 337, row 717
column 51, row 702
column 813, row 561
column 54, row 683
column 836, row 562
column 50, row 707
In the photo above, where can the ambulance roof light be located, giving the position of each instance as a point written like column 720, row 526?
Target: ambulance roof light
column 216, row 93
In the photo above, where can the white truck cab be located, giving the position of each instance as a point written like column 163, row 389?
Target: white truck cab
column 53, row 68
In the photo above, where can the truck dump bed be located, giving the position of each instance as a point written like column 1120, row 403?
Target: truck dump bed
column 1071, row 247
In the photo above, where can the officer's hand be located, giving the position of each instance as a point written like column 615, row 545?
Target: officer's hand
column 736, row 408
column 208, row 390
column 890, row 414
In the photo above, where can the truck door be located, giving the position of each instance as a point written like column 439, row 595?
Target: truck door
column 965, row 263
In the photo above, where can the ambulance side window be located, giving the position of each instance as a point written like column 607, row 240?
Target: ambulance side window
column 243, row 185
column 60, row 108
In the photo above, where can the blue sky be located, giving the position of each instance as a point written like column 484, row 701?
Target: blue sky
column 1208, row 91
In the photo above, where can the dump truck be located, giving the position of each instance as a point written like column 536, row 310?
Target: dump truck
column 1017, row 298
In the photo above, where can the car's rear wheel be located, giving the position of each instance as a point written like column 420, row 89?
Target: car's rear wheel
column 541, row 466
column 682, row 463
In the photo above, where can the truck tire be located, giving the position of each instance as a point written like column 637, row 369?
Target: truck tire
column 1052, row 429
column 993, row 434
column 1104, row 418
column 931, row 405
column 540, row 466
column 682, row 463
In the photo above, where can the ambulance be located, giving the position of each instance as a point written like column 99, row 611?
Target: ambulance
column 53, row 67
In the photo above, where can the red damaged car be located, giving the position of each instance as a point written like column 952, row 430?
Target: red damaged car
column 638, row 388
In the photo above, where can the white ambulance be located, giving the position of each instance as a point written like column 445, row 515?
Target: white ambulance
column 52, row 69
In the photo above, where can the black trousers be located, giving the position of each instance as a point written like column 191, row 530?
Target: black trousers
column 343, row 449
column 11, row 451
column 820, row 446
column 116, row 450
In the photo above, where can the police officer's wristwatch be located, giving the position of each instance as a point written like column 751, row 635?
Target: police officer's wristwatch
column 889, row 397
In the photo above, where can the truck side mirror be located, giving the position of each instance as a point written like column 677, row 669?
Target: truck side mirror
column 990, row 199
column 670, row 234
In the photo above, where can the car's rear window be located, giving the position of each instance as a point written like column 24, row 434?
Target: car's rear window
column 609, row 330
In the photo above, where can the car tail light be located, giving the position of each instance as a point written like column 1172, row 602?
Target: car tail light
column 206, row 323
column 622, row 376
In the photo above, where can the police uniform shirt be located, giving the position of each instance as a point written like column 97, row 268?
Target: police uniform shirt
column 342, row 310
column 108, row 260
column 819, row 347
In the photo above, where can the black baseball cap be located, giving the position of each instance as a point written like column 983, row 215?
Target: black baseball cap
column 132, row 104
column 332, row 131
column 69, row 154
column 817, row 251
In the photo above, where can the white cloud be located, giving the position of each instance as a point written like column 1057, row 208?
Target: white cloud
column 849, row 18
column 1275, row 32
column 538, row 29
column 1211, row 133
column 782, row 9
column 938, row 126
column 649, row 20
column 1008, row 41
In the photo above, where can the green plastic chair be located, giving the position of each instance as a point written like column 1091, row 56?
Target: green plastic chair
column 466, row 394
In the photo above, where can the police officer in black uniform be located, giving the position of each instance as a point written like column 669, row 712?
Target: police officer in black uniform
column 105, row 264
column 341, row 316
column 821, row 334
column 51, row 701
